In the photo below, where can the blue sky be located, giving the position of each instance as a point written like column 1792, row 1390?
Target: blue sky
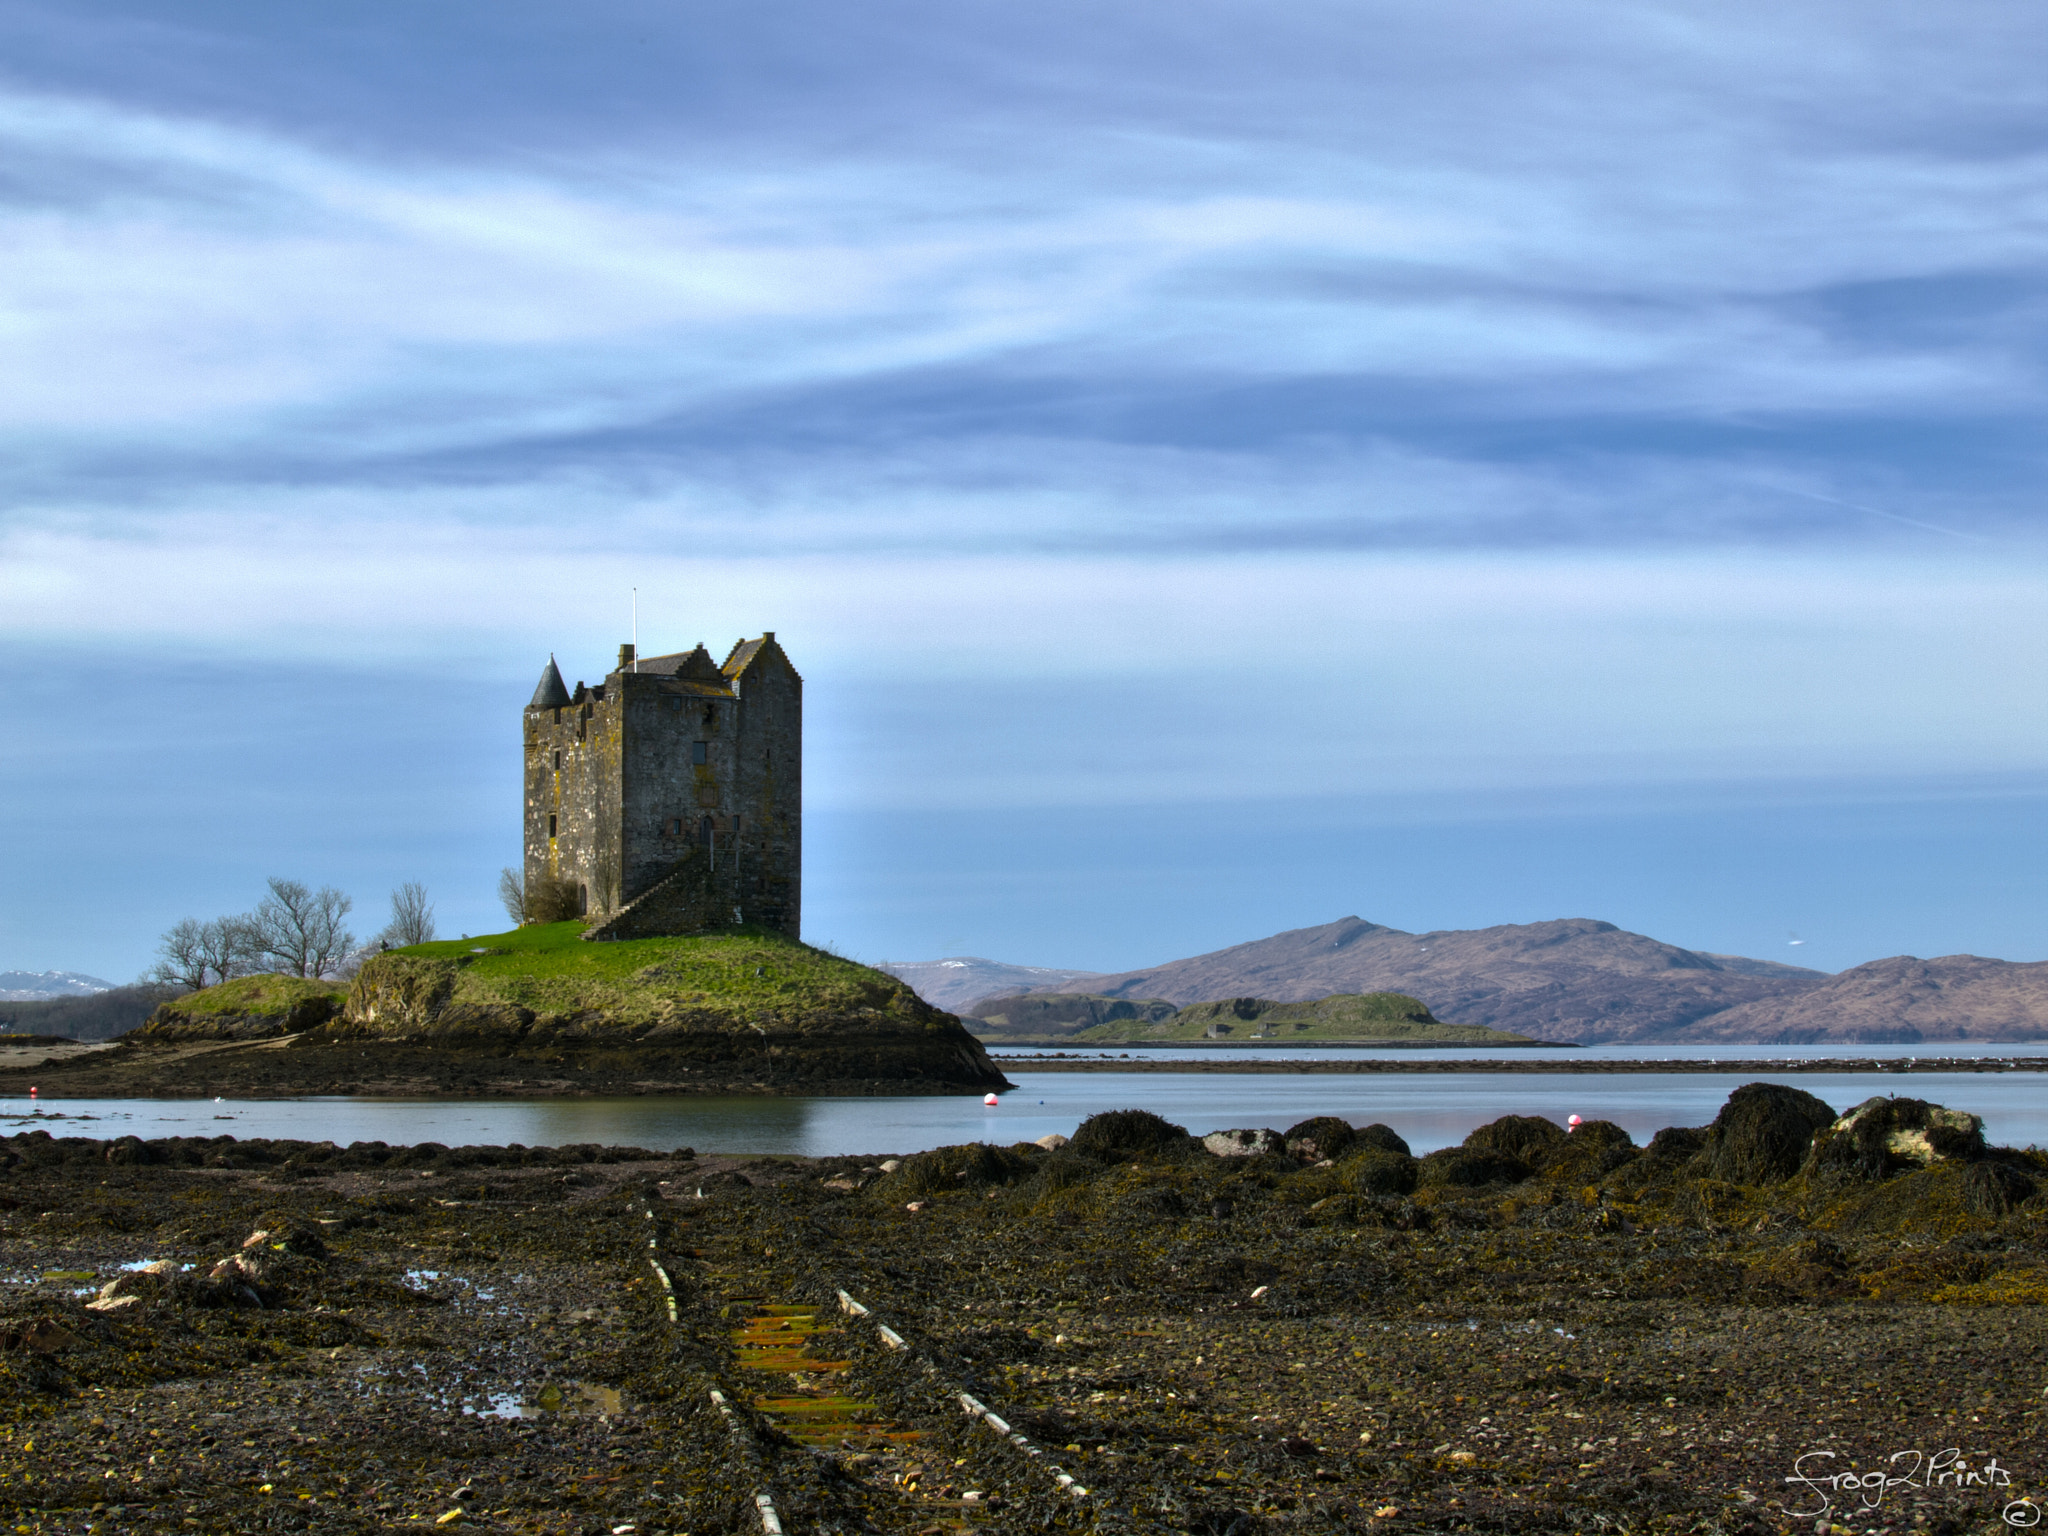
column 1219, row 468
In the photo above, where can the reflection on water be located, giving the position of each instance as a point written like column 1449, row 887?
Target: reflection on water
column 1430, row 1109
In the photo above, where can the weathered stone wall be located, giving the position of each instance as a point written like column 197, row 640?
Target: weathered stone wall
column 572, row 796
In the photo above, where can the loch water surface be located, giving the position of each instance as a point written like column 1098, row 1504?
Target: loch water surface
column 1431, row 1110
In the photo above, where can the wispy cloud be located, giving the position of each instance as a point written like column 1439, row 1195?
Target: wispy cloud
column 1329, row 281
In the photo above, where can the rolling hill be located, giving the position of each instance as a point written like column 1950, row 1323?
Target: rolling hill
column 1572, row 979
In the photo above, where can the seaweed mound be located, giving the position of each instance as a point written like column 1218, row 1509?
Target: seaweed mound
column 1383, row 1137
column 1528, row 1139
column 1464, row 1168
column 975, row 1165
column 1116, row 1134
column 1994, row 1188
column 1374, row 1171
column 1588, row 1153
column 1319, row 1137
column 1883, row 1136
column 1763, row 1134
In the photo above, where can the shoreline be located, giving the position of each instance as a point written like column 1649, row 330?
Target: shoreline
column 266, row 1335
column 1879, row 1065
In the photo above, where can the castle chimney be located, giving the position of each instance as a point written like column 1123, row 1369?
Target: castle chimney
column 626, row 658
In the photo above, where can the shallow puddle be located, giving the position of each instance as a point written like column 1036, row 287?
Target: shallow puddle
column 573, row 1399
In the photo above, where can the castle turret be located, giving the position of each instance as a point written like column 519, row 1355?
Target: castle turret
column 551, row 694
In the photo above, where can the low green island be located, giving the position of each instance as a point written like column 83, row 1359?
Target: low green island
column 541, row 1011
column 1346, row 1018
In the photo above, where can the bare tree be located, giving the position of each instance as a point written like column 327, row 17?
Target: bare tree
column 552, row 901
column 195, row 954
column 301, row 931
column 512, row 892
column 179, row 961
column 412, row 917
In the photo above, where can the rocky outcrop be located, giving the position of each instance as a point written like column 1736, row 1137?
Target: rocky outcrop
column 1246, row 1143
column 1883, row 1136
column 247, row 1008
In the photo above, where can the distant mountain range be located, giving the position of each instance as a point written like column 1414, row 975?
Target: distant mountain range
column 1576, row 979
column 953, row 984
column 34, row 986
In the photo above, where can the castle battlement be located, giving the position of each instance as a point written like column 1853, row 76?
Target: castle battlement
column 669, row 797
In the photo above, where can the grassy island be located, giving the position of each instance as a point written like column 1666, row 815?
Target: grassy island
column 540, row 1012
column 736, row 979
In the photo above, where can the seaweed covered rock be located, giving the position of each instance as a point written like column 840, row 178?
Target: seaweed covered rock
column 1382, row 1137
column 1884, row 1136
column 1118, row 1134
column 1994, row 1188
column 1527, row 1139
column 1374, row 1171
column 1677, row 1143
column 1320, row 1137
column 1763, row 1134
column 1243, row 1143
column 1588, row 1153
column 1464, row 1168
column 976, row 1165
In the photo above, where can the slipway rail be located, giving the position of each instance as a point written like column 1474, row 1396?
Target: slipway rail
column 792, row 1391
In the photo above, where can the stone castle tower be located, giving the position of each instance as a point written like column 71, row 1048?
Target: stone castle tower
column 669, row 798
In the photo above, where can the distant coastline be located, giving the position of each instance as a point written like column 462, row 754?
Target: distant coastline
column 1770, row 1065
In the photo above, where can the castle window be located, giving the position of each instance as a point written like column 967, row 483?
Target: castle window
column 558, row 759
column 700, row 752
column 704, row 831
column 551, row 824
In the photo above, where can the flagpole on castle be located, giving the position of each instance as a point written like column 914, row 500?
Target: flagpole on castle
column 636, row 629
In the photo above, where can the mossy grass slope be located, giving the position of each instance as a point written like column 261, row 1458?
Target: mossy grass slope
column 737, row 979
column 251, row 996
column 1347, row 1017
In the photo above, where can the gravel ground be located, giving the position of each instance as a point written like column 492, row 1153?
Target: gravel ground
column 1591, row 1338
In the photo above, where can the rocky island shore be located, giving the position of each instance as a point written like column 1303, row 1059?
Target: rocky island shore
column 1262, row 1331
column 538, row 1013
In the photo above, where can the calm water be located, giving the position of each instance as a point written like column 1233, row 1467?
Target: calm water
column 1431, row 1110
